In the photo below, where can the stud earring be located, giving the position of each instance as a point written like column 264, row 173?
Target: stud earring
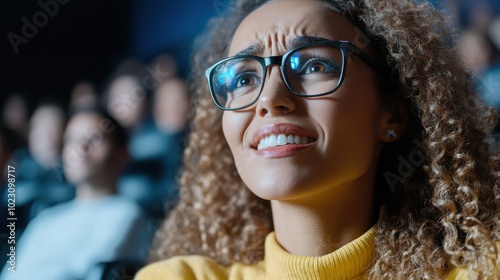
column 391, row 133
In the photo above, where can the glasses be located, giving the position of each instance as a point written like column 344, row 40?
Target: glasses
column 314, row 69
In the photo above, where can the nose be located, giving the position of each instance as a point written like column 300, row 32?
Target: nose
column 275, row 98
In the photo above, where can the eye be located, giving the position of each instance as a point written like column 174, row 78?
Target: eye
column 315, row 68
column 319, row 66
column 245, row 79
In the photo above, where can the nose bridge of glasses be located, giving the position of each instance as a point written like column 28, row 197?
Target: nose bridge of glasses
column 269, row 100
column 274, row 99
column 273, row 60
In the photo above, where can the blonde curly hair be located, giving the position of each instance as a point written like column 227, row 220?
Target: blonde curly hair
column 444, row 214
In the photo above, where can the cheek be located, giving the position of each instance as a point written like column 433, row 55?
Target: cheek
column 351, row 122
column 102, row 153
column 226, row 130
column 233, row 128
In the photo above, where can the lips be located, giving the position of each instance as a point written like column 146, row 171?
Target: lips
column 281, row 134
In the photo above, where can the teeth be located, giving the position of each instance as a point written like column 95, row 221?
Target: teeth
column 282, row 139
column 271, row 142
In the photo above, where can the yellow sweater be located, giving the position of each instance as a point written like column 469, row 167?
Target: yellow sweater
column 351, row 261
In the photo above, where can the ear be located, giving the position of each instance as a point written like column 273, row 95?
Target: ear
column 394, row 121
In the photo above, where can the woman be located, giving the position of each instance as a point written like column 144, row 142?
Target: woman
column 348, row 136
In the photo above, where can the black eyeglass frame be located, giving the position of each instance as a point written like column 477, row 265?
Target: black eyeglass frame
column 345, row 47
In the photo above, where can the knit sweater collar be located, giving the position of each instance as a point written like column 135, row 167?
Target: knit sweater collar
column 351, row 261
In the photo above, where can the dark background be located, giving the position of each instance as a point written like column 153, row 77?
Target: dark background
column 86, row 39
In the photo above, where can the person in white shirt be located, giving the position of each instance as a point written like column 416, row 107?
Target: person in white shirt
column 69, row 240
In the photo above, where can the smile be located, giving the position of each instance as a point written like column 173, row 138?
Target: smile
column 282, row 139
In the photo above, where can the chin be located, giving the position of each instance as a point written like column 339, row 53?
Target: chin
column 288, row 187
column 76, row 177
column 275, row 190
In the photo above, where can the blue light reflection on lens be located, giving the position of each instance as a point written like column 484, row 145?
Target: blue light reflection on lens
column 295, row 61
column 227, row 74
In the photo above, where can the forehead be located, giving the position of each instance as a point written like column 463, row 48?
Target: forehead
column 46, row 112
column 122, row 84
column 274, row 26
column 82, row 123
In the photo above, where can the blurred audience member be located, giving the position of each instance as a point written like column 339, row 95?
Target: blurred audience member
column 170, row 111
column 39, row 181
column 161, row 68
column 127, row 100
column 45, row 136
column 481, row 13
column 125, row 97
column 165, row 145
column 475, row 51
column 69, row 240
column 15, row 113
column 82, row 95
column 10, row 141
column 171, row 106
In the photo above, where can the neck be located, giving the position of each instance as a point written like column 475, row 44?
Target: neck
column 95, row 190
column 320, row 224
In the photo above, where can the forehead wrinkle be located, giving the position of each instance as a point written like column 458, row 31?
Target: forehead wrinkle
column 272, row 39
column 281, row 35
column 275, row 34
column 280, row 38
column 270, row 42
column 278, row 42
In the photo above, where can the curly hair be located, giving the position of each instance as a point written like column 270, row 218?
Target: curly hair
column 444, row 214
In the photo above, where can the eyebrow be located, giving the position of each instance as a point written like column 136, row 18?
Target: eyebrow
column 251, row 50
column 296, row 42
column 300, row 41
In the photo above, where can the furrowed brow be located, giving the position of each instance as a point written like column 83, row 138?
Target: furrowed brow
column 302, row 40
column 257, row 49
